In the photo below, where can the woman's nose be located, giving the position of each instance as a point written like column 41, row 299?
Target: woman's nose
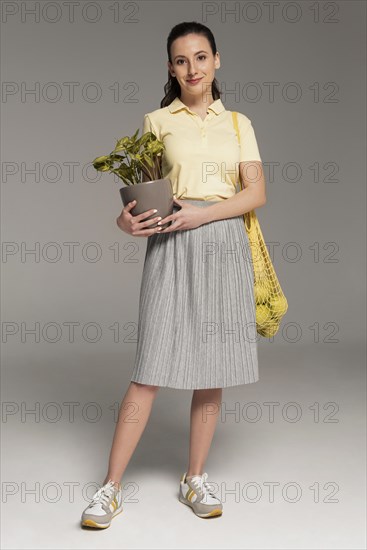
column 192, row 69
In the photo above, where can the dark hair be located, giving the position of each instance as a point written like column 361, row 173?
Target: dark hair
column 172, row 88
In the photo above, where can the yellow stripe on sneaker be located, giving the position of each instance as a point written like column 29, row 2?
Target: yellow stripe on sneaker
column 190, row 493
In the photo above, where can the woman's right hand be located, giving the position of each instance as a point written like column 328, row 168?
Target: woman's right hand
column 135, row 225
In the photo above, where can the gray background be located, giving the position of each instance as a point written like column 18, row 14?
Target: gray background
column 315, row 211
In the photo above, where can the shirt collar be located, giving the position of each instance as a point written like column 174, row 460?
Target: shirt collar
column 176, row 105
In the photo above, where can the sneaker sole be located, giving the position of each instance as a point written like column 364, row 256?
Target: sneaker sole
column 213, row 513
column 92, row 523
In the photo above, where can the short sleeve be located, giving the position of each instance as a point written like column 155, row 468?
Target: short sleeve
column 148, row 126
column 249, row 146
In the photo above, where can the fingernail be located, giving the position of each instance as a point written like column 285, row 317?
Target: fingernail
column 159, row 223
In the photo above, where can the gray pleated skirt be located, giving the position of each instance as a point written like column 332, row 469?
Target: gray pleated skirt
column 197, row 327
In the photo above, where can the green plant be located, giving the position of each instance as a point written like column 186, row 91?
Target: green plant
column 136, row 156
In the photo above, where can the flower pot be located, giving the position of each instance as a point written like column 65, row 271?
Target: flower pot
column 150, row 194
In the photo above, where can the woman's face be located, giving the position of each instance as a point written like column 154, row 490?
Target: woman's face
column 192, row 58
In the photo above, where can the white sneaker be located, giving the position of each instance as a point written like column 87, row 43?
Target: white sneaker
column 106, row 503
column 195, row 492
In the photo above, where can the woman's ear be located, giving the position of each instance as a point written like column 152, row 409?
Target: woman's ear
column 170, row 68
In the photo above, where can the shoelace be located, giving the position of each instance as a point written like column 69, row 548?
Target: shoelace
column 103, row 494
column 201, row 483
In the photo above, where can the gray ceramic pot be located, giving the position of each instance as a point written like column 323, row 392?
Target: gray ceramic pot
column 150, row 194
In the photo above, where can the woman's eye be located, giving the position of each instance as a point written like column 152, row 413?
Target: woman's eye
column 200, row 57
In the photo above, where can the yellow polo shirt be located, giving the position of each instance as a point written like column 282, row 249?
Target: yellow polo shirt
column 202, row 157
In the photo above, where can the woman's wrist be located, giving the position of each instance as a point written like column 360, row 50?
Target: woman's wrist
column 206, row 214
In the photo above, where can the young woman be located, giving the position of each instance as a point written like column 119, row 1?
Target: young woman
column 197, row 326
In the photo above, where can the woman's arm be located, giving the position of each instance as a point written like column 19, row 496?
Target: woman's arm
column 252, row 196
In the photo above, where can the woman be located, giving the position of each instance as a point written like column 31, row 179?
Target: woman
column 197, row 326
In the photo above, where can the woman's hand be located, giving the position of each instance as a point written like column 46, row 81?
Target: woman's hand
column 189, row 217
column 135, row 225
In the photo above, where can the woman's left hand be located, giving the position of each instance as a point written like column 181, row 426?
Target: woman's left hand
column 189, row 217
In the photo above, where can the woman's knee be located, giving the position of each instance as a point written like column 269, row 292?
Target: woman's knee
column 145, row 387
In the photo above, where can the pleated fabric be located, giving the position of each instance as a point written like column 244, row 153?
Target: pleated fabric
column 197, row 324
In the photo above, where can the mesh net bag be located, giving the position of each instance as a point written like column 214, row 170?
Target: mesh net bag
column 271, row 303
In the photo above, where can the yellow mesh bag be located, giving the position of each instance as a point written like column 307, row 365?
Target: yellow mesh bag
column 271, row 304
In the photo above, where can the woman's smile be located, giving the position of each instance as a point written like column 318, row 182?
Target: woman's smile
column 195, row 81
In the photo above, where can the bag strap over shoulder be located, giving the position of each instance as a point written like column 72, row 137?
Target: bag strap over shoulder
column 235, row 124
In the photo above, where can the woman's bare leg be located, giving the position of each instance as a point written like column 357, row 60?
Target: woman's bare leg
column 205, row 408
column 133, row 416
